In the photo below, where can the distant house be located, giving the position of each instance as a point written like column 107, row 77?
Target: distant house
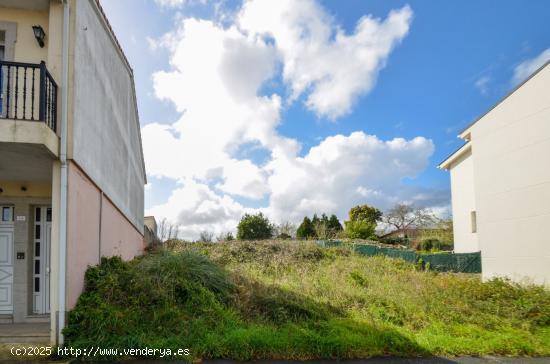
column 151, row 231
column 500, row 184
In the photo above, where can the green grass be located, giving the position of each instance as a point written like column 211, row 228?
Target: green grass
column 260, row 300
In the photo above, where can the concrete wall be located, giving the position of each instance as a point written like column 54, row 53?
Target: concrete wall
column 511, row 159
column 95, row 229
column 105, row 128
column 463, row 202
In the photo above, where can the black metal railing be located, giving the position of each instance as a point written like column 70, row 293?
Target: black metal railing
column 28, row 92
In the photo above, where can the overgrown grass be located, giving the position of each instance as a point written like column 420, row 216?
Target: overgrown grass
column 259, row 300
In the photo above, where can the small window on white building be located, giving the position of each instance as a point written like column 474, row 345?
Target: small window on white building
column 473, row 221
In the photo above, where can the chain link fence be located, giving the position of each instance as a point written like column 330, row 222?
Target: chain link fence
column 441, row 262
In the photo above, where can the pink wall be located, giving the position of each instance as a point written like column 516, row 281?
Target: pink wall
column 82, row 230
column 118, row 236
column 87, row 206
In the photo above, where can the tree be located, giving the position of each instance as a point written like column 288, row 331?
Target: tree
column 334, row 224
column 206, row 236
column 306, row 229
column 225, row 236
column 359, row 229
column 285, row 230
column 362, row 221
column 405, row 217
column 167, row 231
column 254, row 227
column 365, row 213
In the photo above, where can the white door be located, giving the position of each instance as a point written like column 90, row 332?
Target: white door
column 41, row 259
column 6, row 260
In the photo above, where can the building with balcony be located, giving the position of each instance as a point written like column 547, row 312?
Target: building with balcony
column 72, row 173
column 500, row 184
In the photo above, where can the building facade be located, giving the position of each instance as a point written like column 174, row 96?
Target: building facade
column 72, row 173
column 500, row 184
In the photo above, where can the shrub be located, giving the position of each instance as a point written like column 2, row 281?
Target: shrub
column 359, row 229
column 306, row 230
column 254, row 227
column 429, row 245
column 393, row 240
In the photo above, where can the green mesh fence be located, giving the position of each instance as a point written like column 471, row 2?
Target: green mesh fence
column 441, row 262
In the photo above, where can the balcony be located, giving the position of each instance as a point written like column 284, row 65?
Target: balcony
column 28, row 92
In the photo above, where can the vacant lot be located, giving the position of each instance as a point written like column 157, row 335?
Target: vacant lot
column 251, row 300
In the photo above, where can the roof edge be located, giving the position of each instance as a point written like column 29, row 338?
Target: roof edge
column 505, row 97
column 446, row 164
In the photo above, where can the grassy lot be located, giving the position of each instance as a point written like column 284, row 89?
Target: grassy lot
column 256, row 300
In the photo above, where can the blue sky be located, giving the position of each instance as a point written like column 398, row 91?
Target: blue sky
column 455, row 60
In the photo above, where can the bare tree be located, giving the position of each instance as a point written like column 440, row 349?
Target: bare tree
column 285, row 229
column 162, row 229
column 206, row 236
column 225, row 236
column 404, row 217
column 167, row 230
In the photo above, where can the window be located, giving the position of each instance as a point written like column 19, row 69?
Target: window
column 7, row 213
column 2, row 44
column 473, row 221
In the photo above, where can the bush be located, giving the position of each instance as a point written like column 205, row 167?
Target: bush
column 306, row 230
column 429, row 245
column 359, row 229
column 395, row 240
column 254, row 227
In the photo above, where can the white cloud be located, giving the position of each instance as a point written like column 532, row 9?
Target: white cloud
column 214, row 79
column 171, row 3
column 527, row 67
column 346, row 170
column 333, row 68
column 482, row 84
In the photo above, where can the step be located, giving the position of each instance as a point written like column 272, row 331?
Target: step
column 25, row 333
column 6, row 319
column 37, row 318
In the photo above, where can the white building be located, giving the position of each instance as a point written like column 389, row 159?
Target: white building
column 500, row 184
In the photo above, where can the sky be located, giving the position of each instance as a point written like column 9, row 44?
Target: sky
column 295, row 107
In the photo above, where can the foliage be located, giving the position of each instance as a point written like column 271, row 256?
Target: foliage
column 365, row 213
column 285, row 230
column 260, row 300
column 395, row 240
column 323, row 227
column 306, row 230
column 359, row 229
column 333, row 224
column 362, row 222
column 254, row 227
column 429, row 245
column 224, row 237
column 442, row 231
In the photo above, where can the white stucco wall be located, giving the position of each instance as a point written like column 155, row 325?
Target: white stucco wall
column 511, row 160
column 463, row 202
column 105, row 127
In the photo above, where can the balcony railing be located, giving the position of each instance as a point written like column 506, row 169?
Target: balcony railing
column 28, row 92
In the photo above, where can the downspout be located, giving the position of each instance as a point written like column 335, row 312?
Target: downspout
column 63, row 193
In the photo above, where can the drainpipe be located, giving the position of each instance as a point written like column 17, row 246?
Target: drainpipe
column 63, row 193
